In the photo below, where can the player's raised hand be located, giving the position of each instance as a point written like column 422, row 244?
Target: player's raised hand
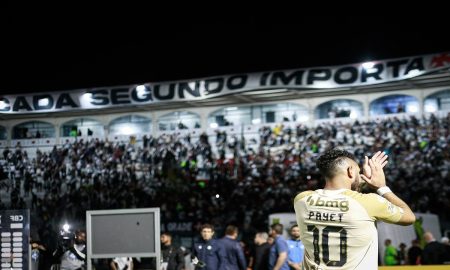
column 378, row 157
column 377, row 178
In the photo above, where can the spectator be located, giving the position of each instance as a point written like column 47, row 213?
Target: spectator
column 414, row 253
column 401, row 257
column 434, row 252
column 260, row 255
column 73, row 132
column 400, row 108
column 390, row 253
column 257, row 174
column 445, row 242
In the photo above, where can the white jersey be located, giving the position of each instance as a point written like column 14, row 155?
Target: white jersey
column 338, row 230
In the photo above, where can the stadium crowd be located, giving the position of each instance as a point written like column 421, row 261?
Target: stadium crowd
column 225, row 179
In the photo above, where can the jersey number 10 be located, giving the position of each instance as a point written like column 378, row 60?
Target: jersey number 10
column 325, row 247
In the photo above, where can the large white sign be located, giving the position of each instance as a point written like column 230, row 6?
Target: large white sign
column 311, row 78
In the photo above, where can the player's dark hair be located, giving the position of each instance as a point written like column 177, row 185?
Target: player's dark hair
column 329, row 161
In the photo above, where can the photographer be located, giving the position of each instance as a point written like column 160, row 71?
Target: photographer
column 75, row 257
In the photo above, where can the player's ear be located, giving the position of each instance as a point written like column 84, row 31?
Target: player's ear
column 350, row 172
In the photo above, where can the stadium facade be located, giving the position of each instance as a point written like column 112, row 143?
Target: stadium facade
column 239, row 104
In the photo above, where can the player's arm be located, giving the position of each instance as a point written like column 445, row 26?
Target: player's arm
column 408, row 216
column 377, row 181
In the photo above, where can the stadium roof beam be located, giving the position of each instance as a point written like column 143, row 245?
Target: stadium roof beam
column 262, row 92
column 305, row 93
column 298, row 94
column 243, row 98
column 192, row 103
column 411, row 84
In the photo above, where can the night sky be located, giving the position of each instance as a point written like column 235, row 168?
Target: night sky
column 51, row 51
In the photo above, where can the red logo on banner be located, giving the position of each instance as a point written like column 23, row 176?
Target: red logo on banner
column 440, row 60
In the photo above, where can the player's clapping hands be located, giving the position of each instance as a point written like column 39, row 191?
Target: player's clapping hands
column 373, row 173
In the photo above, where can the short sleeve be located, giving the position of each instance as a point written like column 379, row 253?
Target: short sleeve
column 381, row 209
column 282, row 245
column 302, row 195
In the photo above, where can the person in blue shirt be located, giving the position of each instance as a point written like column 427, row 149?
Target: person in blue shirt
column 235, row 259
column 296, row 249
column 279, row 249
column 208, row 253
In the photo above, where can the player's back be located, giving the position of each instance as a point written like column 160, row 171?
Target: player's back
column 337, row 229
